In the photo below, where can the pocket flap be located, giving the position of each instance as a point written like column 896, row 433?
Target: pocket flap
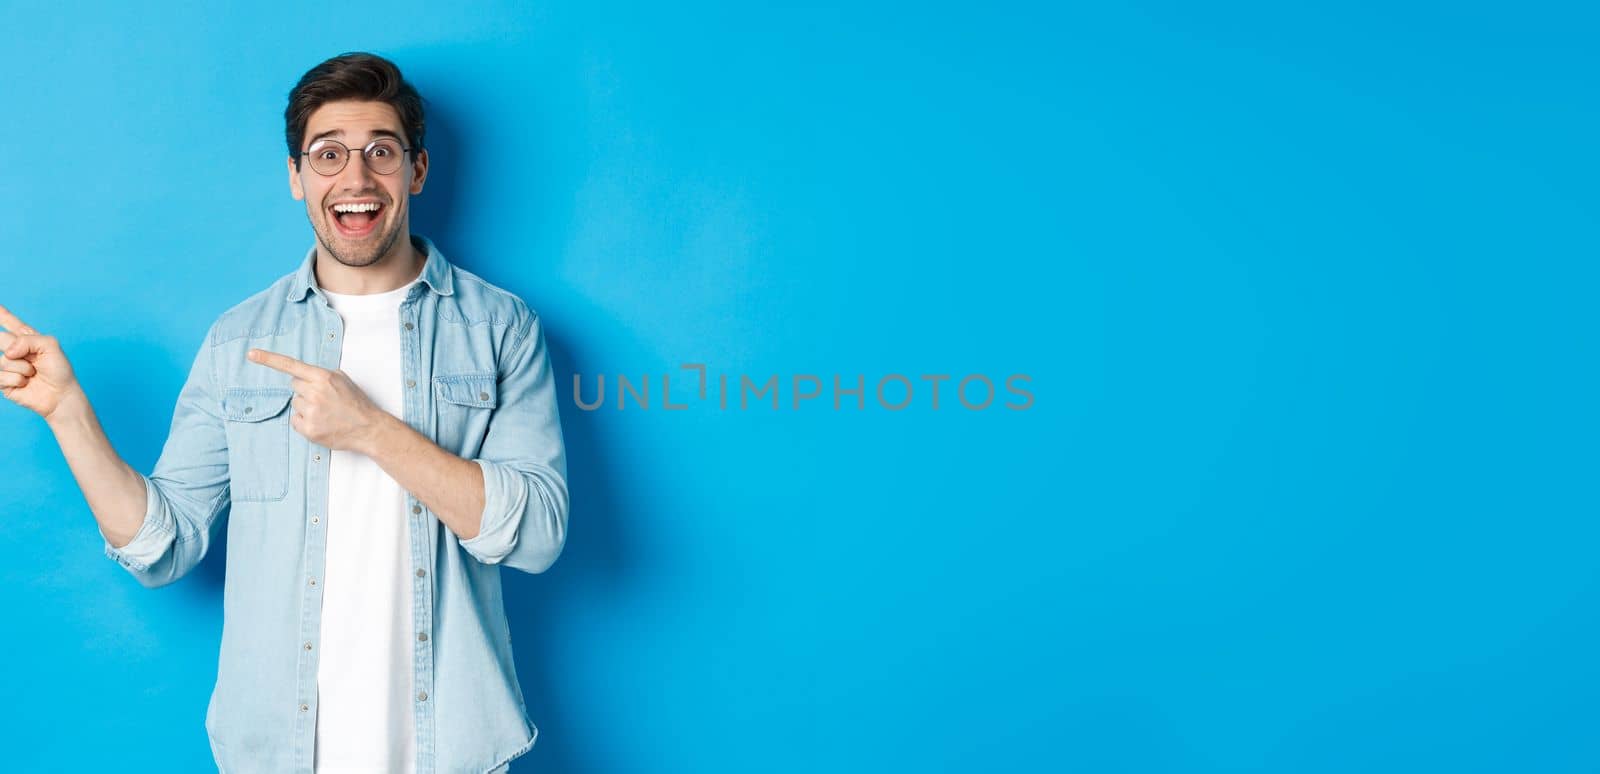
column 476, row 389
column 254, row 404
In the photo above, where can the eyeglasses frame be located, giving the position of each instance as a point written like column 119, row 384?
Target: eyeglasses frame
column 347, row 155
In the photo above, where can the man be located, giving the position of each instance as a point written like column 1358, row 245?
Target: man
column 378, row 429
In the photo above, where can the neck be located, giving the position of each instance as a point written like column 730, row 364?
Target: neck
column 400, row 265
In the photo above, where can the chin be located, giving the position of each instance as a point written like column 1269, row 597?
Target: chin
column 358, row 252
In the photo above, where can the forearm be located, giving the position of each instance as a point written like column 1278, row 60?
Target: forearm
column 114, row 491
column 450, row 486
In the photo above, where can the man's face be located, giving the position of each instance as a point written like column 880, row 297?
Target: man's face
column 357, row 239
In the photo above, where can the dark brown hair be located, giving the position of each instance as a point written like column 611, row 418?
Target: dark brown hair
column 354, row 75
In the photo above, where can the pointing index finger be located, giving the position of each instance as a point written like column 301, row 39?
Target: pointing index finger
column 283, row 363
column 10, row 322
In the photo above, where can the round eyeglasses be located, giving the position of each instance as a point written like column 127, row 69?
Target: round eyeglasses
column 382, row 155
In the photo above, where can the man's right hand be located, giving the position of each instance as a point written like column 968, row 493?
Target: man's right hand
column 34, row 372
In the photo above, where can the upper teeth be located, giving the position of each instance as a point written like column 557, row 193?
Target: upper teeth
column 361, row 207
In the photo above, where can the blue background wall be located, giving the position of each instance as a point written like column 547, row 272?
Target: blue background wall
column 1305, row 296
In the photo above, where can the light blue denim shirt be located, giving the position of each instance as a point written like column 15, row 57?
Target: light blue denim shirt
column 477, row 381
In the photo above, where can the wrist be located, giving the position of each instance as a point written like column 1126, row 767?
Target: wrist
column 72, row 408
column 380, row 434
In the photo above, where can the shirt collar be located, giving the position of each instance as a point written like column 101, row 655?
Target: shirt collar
column 436, row 272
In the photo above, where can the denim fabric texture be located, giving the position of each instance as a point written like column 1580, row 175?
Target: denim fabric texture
column 478, row 382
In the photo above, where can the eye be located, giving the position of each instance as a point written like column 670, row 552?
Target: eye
column 380, row 151
column 328, row 154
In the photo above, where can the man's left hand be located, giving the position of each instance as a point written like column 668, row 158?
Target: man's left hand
column 328, row 408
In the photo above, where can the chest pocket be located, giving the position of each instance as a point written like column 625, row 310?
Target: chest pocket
column 464, row 403
column 258, row 441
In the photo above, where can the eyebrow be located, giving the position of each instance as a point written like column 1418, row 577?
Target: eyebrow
column 376, row 133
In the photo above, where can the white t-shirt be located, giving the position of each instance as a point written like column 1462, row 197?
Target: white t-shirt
column 364, row 682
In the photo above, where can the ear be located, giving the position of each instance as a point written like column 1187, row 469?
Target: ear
column 419, row 171
column 294, row 180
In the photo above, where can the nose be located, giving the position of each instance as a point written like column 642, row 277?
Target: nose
column 356, row 181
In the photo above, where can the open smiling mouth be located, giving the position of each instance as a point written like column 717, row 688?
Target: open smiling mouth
column 356, row 220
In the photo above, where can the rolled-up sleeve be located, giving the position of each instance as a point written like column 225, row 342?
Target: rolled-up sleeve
column 187, row 489
column 153, row 538
column 523, row 457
